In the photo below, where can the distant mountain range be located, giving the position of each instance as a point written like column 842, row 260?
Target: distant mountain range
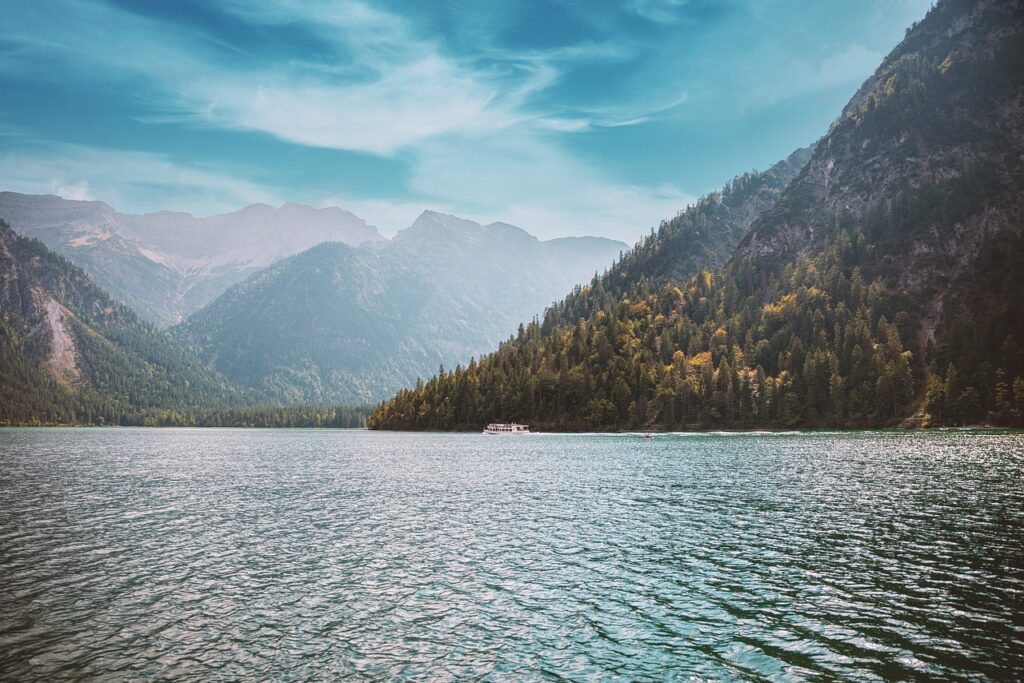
column 302, row 305
column 337, row 323
column 167, row 265
column 882, row 284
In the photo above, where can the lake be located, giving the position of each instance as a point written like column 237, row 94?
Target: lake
column 303, row 554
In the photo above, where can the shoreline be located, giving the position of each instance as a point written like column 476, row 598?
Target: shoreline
column 624, row 432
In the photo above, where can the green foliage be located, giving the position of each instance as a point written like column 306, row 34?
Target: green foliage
column 887, row 277
column 821, row 352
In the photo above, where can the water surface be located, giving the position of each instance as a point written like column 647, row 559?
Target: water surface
column 292, row 554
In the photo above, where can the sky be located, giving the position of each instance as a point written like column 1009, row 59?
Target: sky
column 564, row 117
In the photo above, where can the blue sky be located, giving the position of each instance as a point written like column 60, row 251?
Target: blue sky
column 563, row 117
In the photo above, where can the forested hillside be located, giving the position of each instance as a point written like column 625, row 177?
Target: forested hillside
column 70, row 354
column 885, row 285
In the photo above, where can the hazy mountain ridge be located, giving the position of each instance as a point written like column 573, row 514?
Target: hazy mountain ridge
column 166, row 265
column 70, row 354
column 886, row 280
column 341, row 324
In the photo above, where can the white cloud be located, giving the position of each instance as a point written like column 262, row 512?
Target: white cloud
column 71, row 190
column 659, row 11
column 396, row 90
column 385, row 89
column 128, row 180
column 411, row 103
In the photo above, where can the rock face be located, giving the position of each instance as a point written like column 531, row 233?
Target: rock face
column 929, row 153
column 928, row 160
column 337, row 323
column 69, row 353
column 167, row 265
column 63, row 360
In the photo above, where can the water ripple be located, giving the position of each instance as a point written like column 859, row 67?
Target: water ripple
column 301, row 555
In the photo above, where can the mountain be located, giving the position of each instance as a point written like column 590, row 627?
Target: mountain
column 337, row 323
column 167, row 265
column 705, row 235
column 71, row 354
column 885, row 285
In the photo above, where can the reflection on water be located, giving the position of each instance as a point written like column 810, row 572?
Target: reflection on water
column 319, row 554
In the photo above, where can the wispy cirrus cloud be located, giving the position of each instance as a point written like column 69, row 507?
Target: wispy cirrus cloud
column 383, row 89
column 662, row 11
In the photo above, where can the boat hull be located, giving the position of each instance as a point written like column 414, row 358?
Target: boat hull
column 506, row 429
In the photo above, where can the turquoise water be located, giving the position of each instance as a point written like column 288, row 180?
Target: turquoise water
column 228, row 554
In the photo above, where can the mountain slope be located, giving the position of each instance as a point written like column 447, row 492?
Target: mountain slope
column 70, row 354
column 324, row 325
column 342, row 324
column 919, row 182
column 701, row 236
column 166, row 265
column 886, row 281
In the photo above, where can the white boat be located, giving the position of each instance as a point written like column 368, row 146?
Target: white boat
column 507, row 428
